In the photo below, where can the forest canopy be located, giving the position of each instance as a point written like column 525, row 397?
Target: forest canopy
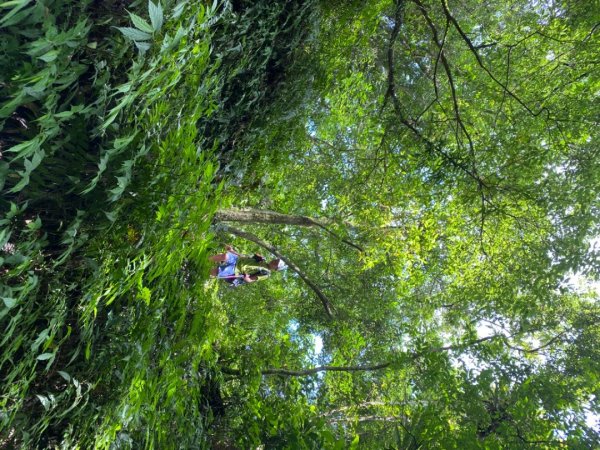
column 427, row 169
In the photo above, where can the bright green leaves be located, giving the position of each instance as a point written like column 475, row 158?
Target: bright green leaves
column 30, row 166
column 143, row 31
column 81, row 126
column 465, row 174
column 135, row 34
column 427, row 243
column 156, row 15
column 141, row 24
column 45, row 356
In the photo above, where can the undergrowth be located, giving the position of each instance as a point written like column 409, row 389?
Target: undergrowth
column 94, row 247
column 113, row 123
column 103, row 179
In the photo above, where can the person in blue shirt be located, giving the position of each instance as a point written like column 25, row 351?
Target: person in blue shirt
column 237, row 269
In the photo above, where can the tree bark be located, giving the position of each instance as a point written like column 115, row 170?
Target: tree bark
column 251, row 215
column 267, row 246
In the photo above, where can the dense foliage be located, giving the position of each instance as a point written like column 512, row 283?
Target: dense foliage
column 428, row 169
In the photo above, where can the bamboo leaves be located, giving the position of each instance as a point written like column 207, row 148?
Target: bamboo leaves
column 9, row 302
column 30, row 166
column 141, row 24
column 81, row 125
column 15, row 14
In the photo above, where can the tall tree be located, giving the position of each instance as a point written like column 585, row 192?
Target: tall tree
column 455, row 144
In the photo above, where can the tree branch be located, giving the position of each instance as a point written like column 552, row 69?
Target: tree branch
column 391, row 93
column 313, row 370
column 373, row 418
column 251, row 215
column 460, row 123
column 360, row 368
column 480, row 61
column 537, row 349
column 267, row 246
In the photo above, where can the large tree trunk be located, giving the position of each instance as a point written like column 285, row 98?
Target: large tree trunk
column 251, row 215
column 254, row 216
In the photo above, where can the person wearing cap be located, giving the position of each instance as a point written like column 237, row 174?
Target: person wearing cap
column 238, row 269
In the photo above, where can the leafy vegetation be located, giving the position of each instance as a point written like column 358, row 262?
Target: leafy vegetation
column 429, row 171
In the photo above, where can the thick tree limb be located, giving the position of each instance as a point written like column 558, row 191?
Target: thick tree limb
column 267, row 246
column 251, row 215
column 362, row 419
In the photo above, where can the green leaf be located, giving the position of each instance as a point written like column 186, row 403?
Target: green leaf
column 122, row 142
column 140, row 23
column 9, row 302
column 8, row 108
column 24, row 181
column 156, row 15
column 66, row 114
column 4, row 236
column 134, row 34
column 213, row 8
column 65, row 375
column 143, row 47
column 16, row 259
column 35, row 225
column 125, row 87
column 18, row 5
column 45, row 356
column 111, row 215
column 14, row 3
column 26, row 149
column 3, row 173
column 178, row 10
column 31, row 165
column 180, row 33
column 145, row 294
column 44, row 400
column 49, row 56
